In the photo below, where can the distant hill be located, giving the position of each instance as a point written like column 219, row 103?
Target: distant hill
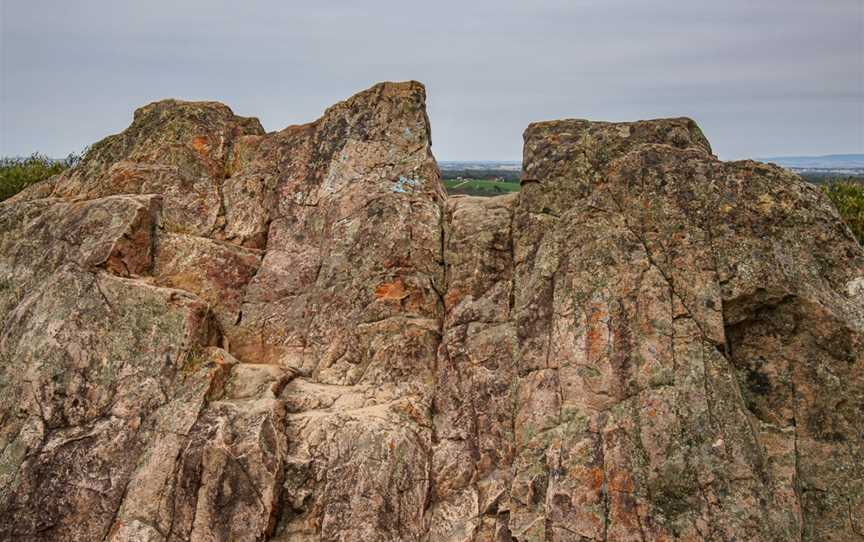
column 476, row 170
column 477, row 165
column 840, row 163
column 828, row 161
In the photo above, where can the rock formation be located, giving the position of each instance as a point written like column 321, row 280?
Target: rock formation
column 214, row 333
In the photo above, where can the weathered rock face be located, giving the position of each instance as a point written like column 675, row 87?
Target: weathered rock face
column 689, row 353
column 213, row 333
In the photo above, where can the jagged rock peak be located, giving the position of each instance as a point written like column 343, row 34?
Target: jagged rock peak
column 210, row 332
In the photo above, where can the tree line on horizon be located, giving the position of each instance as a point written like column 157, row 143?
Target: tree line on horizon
column 845, row 192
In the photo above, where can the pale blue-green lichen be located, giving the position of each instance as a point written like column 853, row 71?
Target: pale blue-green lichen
column 403, row 183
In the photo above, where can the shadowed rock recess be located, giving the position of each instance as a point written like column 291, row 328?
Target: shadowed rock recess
column 212, row 333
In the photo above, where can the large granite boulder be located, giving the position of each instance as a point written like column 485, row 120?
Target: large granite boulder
column 214, row 333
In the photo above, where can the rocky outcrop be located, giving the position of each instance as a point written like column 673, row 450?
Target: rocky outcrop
column 640, row 262
column 214, row 333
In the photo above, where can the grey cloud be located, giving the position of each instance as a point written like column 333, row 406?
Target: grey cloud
column 761, row 77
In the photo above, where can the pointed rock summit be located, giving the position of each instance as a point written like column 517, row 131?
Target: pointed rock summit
column 214, row 333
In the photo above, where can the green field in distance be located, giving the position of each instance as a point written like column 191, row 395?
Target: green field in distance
column 480, row 187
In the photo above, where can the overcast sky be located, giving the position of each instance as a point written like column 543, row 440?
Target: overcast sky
column 761, row 77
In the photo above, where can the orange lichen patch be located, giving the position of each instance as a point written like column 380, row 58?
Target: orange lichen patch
column 621, row 481
column 411, row 411
column 452, row 298
column 200, row 144
column 126, row 177
column 391, row 291
column 597, row 478
column 120, row 174
column 595, row 339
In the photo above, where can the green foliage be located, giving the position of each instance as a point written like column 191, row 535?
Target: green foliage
column 828, row 177
column 848, row 197
column 480, row 187
column 16, row 174
column 486, row 174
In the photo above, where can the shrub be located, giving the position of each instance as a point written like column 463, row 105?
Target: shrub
column 16, row 174
column 848, row 198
